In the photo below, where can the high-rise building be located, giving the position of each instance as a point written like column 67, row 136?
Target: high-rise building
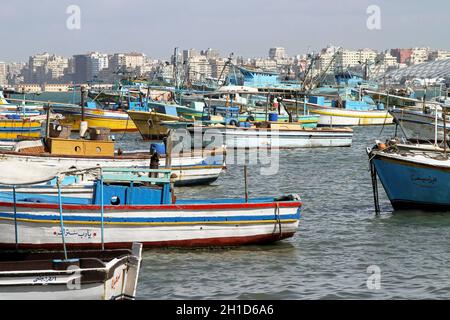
column 87, row 67
column 350, row 58
column 96, row 62
column 80, row 64
column 219, row 68
column 419, row 55
column 277, row 53
column 402, row 55
column 45, row 68
column 211, row 53
column 199, row 68
column 127, row 61
column 15, row 73
column 3, row 74
column 437, row 55
column 189, row 54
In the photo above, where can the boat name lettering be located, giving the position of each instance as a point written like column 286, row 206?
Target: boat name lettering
column 430, row 180
column 44, row 279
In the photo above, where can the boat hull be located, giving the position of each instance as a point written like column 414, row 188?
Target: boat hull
column 414, row 184
column 190, row 170
column 12, row 129
column 149, row 124
column 243, row 138
column 116, row 121
column 418, row 126
column 343, row 117
column 184, row 225
column 88, row 275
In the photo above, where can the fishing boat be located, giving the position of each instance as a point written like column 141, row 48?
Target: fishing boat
column 73, row 275
column 12, row 128
column 115, row 120
column 149, row 125
column 413, row 178
column 348, row 113
column 190, row 168
column 269, row 135
column 128, row 205
column 421, row 124
column 18, row 121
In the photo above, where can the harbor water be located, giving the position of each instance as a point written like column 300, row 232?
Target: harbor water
column 339, row 238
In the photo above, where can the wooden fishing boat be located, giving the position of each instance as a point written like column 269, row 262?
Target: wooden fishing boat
column 268, row 135
column 413, row 178
column 116, row 121
column 78, row 275
column 129, row 206
column 418, row 125
column 149, row 123
column 190, row 168
column 351, row 116
column 13, row 128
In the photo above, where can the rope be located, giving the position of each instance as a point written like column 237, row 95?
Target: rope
column 61, row 221
column 102, row 210
column 277, row 216
column 15, row 219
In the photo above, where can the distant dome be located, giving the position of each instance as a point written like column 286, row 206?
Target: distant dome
column 434, row 69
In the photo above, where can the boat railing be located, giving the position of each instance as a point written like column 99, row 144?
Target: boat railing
column 153, row 176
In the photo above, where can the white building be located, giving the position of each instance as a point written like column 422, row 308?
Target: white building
column 127, row 61
column 439, row 55
column 419, row 55
column 277, row 53
column 3, row 74
column 350, row 58
column 199, row 68
column 97, row 62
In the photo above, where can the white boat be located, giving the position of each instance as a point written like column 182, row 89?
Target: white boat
column 420, row 126
column 332, row 116
column 197, row 167
column 81, row 275
column 128, row 206
column 274, row 136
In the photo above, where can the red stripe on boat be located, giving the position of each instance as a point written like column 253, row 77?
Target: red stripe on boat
column 286, row 204
column 207, row 242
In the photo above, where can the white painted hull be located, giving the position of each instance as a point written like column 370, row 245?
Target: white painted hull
column 277, row 139
column 58, row 288
column 343, row 117
column 98, row 275
column 188, row 170
column 419, row 126
column 166, row 225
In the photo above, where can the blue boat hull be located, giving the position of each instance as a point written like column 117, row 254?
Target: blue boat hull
column 414, row 186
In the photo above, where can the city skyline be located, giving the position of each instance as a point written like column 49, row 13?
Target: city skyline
column 246, row 28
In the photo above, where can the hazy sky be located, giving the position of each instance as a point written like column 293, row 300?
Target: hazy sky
column 245, row 27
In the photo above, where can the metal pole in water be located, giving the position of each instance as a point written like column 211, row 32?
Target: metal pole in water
column 15, row 219
column 102, row 210
column 61, row 221
column 246, row 183
column 373, row 173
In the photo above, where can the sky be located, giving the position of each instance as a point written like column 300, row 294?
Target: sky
column 245, row 27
